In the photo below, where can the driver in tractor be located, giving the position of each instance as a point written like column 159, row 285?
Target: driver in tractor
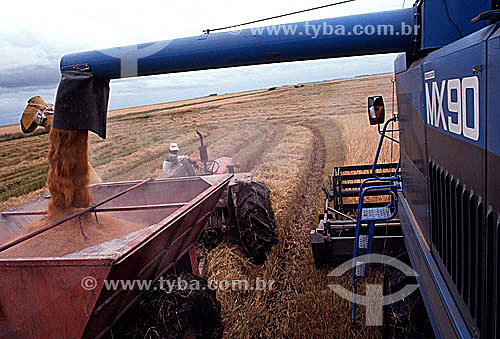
column 176, row 166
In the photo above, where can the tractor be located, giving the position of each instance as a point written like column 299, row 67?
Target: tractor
column 244, row 214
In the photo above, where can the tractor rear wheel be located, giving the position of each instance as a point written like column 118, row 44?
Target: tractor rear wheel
column 255, row 221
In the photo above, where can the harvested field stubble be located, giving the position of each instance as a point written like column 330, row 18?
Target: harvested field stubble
column 290, row 139
column 283, row 163
column 359, row 150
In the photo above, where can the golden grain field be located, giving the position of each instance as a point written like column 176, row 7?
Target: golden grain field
column 290, row 139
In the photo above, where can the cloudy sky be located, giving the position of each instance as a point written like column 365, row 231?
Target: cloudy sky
column 35, row 34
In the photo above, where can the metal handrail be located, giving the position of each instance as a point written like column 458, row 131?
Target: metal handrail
column 379, row 149
column 100, row 210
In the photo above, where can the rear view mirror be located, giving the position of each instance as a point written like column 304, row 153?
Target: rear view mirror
column 376, row 110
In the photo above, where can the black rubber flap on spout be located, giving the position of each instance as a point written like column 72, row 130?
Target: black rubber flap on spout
column 82, row 102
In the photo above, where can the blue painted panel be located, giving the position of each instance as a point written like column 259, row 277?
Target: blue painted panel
column 438, row 29
column 493, row 70
column 458, row 112
column 443, row 312
column 413, row 142
column 400, row 63
column 493, row 121
column 461, row 44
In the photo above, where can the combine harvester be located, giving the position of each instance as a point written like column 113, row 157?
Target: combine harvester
column 444, row 190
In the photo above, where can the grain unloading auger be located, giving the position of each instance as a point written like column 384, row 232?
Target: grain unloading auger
column 448, row 199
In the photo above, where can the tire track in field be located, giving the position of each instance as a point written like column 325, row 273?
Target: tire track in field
column 274, row 309
column 327, row 313
column 233, row 141
column 251, row 155
column 295, row 248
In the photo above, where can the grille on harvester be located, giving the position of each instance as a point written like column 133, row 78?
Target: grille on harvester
column 465, row 244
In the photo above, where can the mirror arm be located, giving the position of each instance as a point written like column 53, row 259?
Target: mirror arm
column 383, row 135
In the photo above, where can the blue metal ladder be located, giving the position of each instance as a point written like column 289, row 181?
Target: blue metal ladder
column 370, row 216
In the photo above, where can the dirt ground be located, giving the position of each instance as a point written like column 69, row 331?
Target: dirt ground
column 290, row 138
